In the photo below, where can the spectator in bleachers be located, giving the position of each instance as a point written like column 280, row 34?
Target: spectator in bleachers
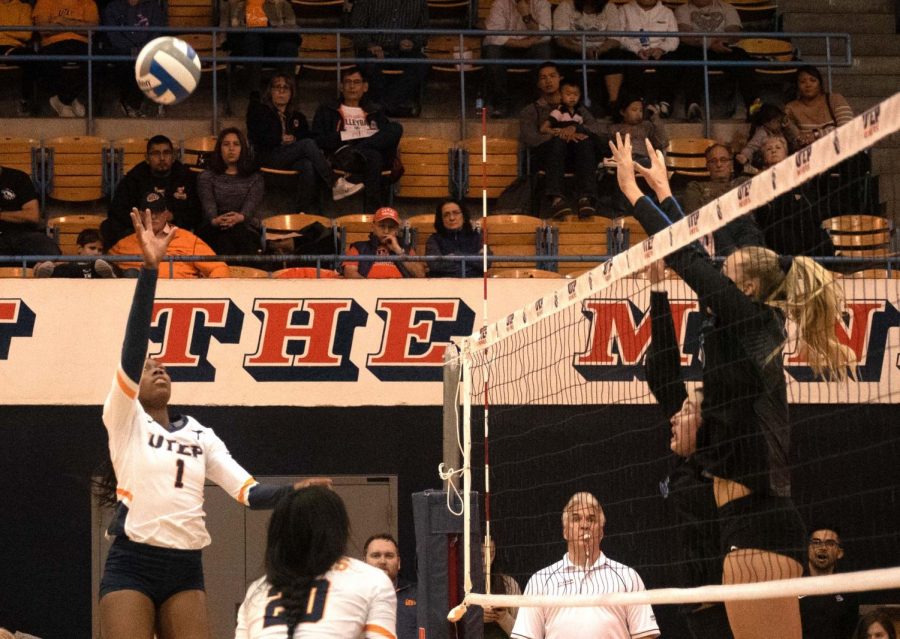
column 792, row 222
column 383, row 241
column 257, row 15
column 454, row 235
column 737, row 233
column 20, row 217
column 357, row 136
column 231, row 192
column 815, row 112
column 88, row 243
column 15, row 43
column 595, row 16
column 281, row 139
column 140, row 14
column 400, row 95
column 719, row 17
column 183, row 243
column 65, row 79
column 159, row 172
column 768, row 121
column 656, row 88
column 560, row 148
column 628, row 119
column 513, row 15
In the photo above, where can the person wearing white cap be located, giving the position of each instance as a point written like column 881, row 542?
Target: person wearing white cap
column 383, row 241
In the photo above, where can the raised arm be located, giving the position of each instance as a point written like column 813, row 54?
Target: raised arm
column 663, row 362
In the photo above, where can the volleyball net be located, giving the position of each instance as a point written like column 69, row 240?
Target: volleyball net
column 555, row 401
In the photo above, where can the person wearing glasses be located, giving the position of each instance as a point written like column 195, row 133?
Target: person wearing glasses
column 357, row 136
column 826, row 616
column 281, row 139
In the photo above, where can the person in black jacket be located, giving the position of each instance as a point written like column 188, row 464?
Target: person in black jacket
column 357, row 136
column 454, row 235
column 744, row 437
column 688, row 491
column 281, row 139
column 162, row 173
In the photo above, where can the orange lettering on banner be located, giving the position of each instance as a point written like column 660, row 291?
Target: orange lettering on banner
column 402, row 328
column 278, row 330
column 182, row 319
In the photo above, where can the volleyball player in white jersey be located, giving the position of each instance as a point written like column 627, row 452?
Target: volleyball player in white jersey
column 311, row 589
column 153, row 578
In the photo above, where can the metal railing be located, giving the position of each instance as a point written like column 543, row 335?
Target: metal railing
column 217, row 57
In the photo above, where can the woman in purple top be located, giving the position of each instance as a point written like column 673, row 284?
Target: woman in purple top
column 231, row 193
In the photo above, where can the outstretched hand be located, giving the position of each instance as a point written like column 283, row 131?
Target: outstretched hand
column 153, row 246
column 621, row 150
column 657, row 175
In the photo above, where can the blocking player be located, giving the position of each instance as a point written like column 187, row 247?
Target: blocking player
column 311, row 588
column 744, row 435
column 153, row 579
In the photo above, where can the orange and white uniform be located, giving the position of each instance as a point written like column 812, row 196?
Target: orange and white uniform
column 161, row 473
column 353, row 599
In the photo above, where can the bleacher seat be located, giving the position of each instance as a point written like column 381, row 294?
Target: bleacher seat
column 77, row 168
column 428, row 164
column 579, row 237
column 514, row 235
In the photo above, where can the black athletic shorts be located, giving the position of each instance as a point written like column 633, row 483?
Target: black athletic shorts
column 156, row 572
column 764, row 523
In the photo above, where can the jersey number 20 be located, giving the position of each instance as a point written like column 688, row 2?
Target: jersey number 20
column 315, row 605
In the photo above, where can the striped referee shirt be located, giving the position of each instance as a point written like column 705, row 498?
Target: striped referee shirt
column 598, row 622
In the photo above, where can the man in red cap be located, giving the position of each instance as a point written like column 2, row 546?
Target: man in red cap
column 383, row 241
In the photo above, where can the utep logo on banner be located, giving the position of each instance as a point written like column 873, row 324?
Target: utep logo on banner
column 16, row 320
column 871, row 120
column 743, row 194
column 803, row 160
column 620, row 334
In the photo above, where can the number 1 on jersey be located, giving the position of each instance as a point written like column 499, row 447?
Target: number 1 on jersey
column 179, row 473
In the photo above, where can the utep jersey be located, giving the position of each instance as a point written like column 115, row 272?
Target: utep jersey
column 351, row 600
column 161, row 473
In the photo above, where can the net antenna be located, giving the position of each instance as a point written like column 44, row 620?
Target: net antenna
column 480, row 363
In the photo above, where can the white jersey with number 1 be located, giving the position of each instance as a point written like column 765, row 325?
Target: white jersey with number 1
column 352, row 600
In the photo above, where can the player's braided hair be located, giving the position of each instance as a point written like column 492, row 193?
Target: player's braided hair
column 308, row 533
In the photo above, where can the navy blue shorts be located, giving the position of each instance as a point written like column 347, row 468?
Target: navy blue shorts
column 156, row 572
column 764, row 523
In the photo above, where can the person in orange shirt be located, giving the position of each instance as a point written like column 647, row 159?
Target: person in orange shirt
column 184, row 243
column 65, row 82
column 382, row 241
column 13, row 43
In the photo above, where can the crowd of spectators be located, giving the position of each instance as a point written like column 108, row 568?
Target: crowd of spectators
column 271, row 29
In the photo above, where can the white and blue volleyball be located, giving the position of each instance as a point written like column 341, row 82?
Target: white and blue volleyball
column 167, row 70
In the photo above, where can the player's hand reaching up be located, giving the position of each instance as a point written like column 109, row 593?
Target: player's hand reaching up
column 657, row 175
column 621, row 150
column 153, row 246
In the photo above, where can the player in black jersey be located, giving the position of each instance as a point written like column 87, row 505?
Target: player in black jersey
column 744, row 435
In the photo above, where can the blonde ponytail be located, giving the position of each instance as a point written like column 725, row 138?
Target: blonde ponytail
column 809, row 296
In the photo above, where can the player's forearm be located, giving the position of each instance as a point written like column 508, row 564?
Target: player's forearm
column 137, row 331
column 265, row 497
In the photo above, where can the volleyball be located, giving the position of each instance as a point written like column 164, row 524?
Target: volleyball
column 167, row 70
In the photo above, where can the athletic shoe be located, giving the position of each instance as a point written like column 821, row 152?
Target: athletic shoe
column 694, row 112
column 586, row 208
column 560, row 209
column 62, row 110
column 345, row 188
column 665, row 109
column 652, row 111
column 103, row 268
column 44, row 269
column 78, row 108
